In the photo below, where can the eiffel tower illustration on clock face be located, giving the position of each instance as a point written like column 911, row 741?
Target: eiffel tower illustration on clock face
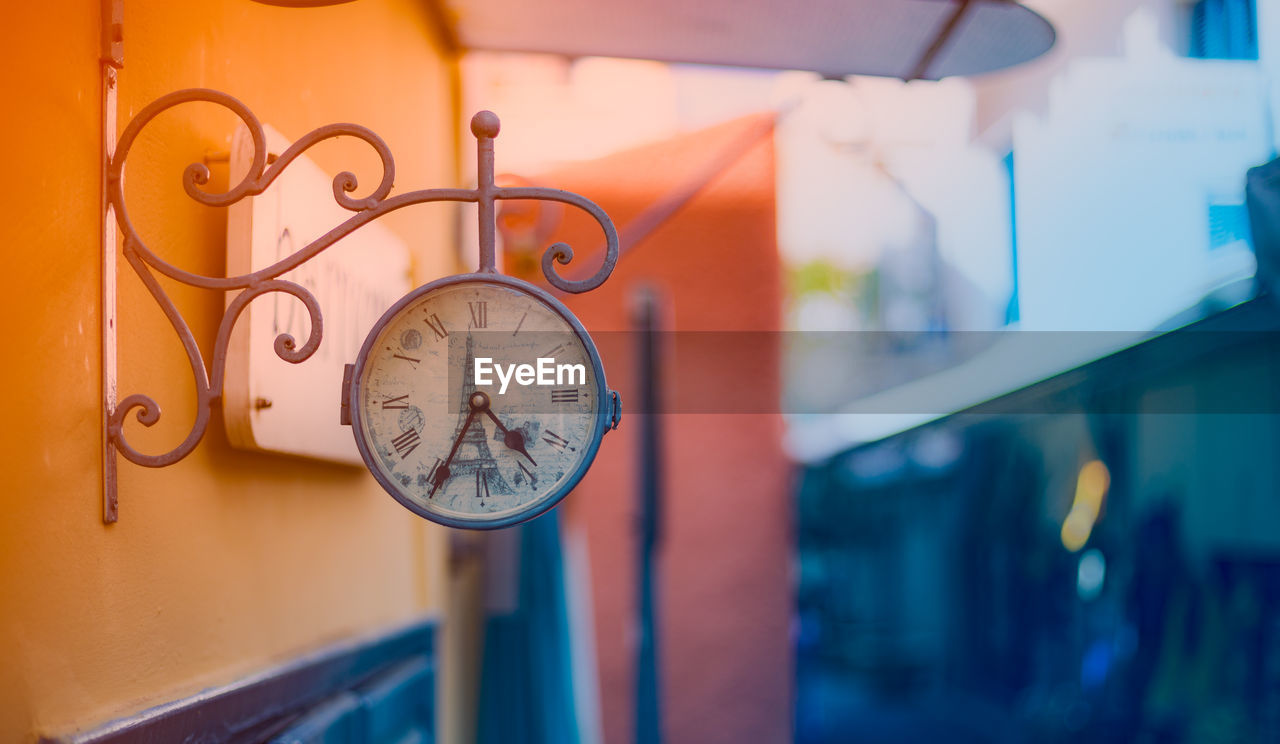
column 473, row 460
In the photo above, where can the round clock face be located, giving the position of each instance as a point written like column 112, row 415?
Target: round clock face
column 477, row 402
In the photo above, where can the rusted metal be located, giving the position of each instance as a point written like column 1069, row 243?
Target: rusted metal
column 262, row 172
column 112, row 52
column 112, row 60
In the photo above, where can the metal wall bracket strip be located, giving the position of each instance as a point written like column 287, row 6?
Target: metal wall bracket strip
column 111, row 60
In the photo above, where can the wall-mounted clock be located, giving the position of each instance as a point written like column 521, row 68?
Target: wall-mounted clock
column 446, row 445
column 477, row 455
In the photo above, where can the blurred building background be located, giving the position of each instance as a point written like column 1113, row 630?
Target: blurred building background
column 967, row 402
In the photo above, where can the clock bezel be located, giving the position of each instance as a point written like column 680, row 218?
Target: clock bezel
column 603, row 414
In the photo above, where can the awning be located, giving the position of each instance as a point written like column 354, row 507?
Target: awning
column 906, row 39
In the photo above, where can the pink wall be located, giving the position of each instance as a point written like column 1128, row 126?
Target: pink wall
column 725, row 586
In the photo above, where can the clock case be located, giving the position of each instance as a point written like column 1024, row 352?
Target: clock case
column 607, row 417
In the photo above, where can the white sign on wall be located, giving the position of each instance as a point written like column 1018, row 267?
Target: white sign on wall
column 269, row 404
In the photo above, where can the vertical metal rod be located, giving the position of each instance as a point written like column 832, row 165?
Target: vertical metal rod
column 485, row 126
column 112, row 59
column 648, row 376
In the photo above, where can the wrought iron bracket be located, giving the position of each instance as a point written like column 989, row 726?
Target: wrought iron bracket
column 247, row 287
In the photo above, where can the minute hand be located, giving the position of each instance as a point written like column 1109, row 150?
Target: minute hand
column 513, row 439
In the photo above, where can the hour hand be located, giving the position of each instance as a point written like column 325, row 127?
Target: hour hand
column 513, row 438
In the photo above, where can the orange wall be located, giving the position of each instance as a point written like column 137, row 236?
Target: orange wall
column 228, row 562
column 724, row 589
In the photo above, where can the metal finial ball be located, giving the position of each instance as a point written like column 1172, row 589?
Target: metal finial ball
column 485, row 124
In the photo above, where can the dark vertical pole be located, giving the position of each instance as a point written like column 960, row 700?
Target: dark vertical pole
column 648, row 382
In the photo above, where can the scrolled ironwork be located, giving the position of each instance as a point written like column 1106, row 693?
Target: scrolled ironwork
column 262, row 172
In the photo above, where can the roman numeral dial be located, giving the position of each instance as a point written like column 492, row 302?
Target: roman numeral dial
column 406, row 443
column 437, row 326
column 470, row 452
column 395, row 402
